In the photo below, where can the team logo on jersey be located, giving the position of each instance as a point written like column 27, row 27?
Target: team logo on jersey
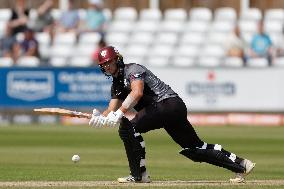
column 103, row 53
column 115, row 50
column 136, row 76
column 126, row 83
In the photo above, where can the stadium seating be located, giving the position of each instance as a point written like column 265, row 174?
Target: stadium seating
column 56, row 13
column 186, row 50
column 83, row 50
column 135, row 59
column 200, row 14
column 273, row 26
column 6, row 62
column 117, row 38
column 171, row 26
column 251, row 14
column 159, row 55
column 61, row 51
column 159, row 61
column 58, row 61
column 28, row 61
column 5, row 14
column 211, row 56
column 196, row 26
column 233, row 62
column 183, row 62
column 108, row 14
column 274, row 29
column 82, row 13
column 217, row 38
column 80, row 61
column 225, row 14
column 136, row 53
column 274, row 14
column 136, row 50
column 257, row 62
column 150, row 14
column 144, row 38
column 166, row 38
column 68, row 38
column 90, row 38
column 2, row 27
column 125, row 13
column 279, row 62
column 224, row 26
column 248, row 28
column 213, row 50
column 120, row 26
column 193, row 38
column 44, row 42
column 146, row 26
column 180, row 38
column 185, row 55
column 43, row 38
column 177, row 14
column 45, row 52
column 208, row 61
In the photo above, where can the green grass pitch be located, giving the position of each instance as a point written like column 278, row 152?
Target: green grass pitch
column 43, row 153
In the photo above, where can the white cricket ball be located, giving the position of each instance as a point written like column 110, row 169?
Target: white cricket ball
column 75, row 158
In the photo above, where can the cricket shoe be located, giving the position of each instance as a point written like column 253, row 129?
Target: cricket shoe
column 240, row 177
column 131, row 179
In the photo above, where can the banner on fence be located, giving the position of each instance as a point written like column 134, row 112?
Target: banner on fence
column 224, row 89
column 60, row 87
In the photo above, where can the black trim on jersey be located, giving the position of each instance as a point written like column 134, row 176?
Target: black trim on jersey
column 118, row 91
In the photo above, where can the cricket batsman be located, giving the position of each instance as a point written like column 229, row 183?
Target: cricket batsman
column 157, row 106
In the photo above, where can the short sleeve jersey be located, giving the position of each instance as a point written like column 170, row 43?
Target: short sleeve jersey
column 155, row 90
column 260, row 43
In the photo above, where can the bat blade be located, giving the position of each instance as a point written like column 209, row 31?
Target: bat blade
column 63, row 112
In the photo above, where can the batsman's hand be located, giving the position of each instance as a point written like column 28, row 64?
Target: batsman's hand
column 113, row 118
column 97, row 119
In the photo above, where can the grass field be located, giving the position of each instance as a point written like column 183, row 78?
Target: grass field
column 40, row 157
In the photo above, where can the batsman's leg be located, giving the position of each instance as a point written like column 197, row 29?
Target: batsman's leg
column 214, row 154
column 182, row 132
column 240, row 177
column 247, row 164
column 135, row 151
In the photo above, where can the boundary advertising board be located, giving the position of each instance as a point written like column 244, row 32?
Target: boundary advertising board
column 34, row 87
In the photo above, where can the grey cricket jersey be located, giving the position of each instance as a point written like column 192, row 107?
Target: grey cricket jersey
column 155, row 90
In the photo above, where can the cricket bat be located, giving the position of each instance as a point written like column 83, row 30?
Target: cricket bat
column 63, row 112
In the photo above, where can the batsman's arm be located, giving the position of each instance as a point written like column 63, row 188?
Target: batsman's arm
column 114, row 104
column 113, row 117
column 137, row 88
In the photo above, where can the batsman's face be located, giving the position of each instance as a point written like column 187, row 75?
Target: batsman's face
column 110, row 67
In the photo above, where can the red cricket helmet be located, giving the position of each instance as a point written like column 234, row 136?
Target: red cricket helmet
column 106, row 54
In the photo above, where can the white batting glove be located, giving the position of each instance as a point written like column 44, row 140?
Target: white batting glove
column 113, row 118
column 97, row 119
